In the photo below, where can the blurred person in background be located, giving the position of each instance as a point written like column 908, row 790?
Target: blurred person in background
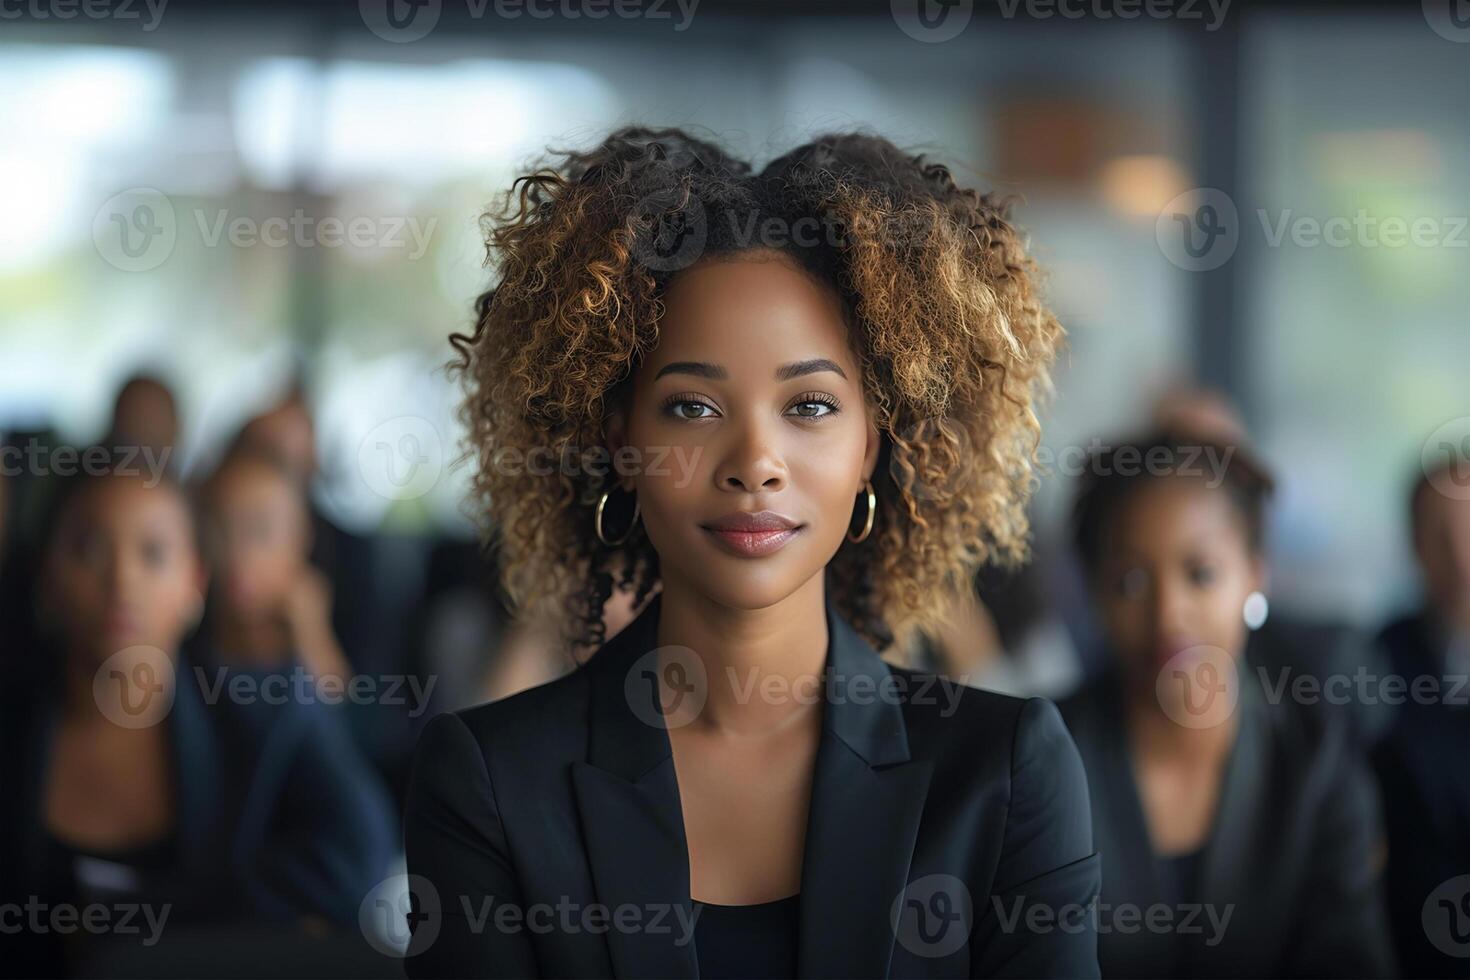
column 1421, row 762
column 1283, row 642
column 1207, row 793
column 270, row 607
column 128, row 779
column 370, row 603
column 145, row 416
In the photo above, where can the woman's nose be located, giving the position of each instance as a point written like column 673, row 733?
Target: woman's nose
column 752, row 465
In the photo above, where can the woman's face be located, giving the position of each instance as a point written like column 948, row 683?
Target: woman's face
column 1175, row 576
column 122, row 569
column 752, row 401
column 256, row 535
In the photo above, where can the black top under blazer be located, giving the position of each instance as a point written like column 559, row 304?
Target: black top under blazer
column 561, row 794
column 1292, row 856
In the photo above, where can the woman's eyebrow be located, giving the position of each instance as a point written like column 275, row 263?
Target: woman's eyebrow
column 785, row 372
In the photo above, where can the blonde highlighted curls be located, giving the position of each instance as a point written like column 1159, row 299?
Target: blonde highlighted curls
column 941, row 298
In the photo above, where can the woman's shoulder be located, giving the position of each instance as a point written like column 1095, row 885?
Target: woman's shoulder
column 976, row 728
column 541, row 718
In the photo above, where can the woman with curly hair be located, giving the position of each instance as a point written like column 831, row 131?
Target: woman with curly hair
column 793, row 411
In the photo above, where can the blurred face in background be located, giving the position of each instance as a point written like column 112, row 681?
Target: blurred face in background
column 1176, row 570
column 1442, row 547
column 145, row 416
column 256, row 535
column 287, row 433
column 731, row 434
column 122, row 569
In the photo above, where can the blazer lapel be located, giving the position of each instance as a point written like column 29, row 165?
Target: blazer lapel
column 866, row 801
column 632, row 822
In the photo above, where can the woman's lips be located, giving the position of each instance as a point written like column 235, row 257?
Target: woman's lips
column 753, row 544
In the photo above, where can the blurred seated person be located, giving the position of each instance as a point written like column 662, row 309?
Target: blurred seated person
column 1421, row 763
column 1252, row 823
column 1002, row 637
column 127, row 782
column 269, row 607
column 1285, row 644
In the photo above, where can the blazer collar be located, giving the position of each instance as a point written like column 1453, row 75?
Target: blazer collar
column 866, row 800
column 854, row 676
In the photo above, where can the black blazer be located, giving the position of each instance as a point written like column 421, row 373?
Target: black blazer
column 278, row 816
column 561, row 794
column 1426, row 794
column 1291, row 857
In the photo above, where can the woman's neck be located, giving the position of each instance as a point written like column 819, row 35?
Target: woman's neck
column 1156, row 737
column 762, row 667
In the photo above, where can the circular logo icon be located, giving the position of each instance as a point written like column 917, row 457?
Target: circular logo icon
column 932, row 916
column 1446, row 917
column 1450, row 19
column 1446, row 458
column 134, row 688
column 402, row 458
column 400, row 21
column 672, row 232
column 1199, row 229
column 932, row 21
column 680, row 697
column 135, row 230
column 401, row 916
column 1199, row 687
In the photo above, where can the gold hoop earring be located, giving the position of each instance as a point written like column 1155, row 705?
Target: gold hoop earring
column 597, row 521
column 872, row 510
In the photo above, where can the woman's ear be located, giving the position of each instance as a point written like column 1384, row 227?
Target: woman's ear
column 1260, row 575
column 874, row 446
column 615, row 435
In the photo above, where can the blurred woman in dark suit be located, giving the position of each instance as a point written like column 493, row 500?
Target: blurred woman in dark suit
column 129, row 779
column 815, row 388
column 1240, row 832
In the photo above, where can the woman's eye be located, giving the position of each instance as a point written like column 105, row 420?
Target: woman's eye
column 1202, row 575
column 813, row 410
column 679, row 409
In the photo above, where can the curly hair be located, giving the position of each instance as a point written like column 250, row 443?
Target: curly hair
column 944, row 314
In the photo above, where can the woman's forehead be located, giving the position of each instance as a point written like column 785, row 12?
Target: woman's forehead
column 751, row 314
